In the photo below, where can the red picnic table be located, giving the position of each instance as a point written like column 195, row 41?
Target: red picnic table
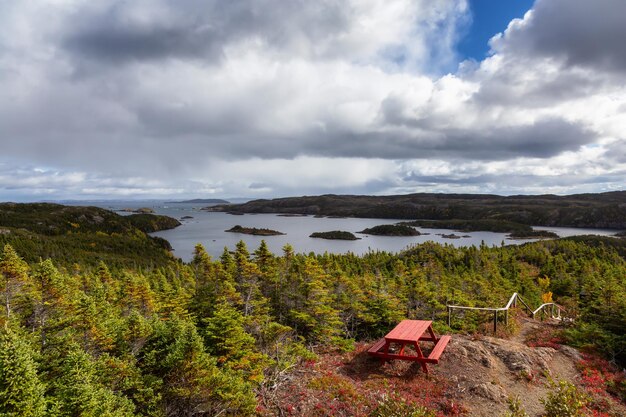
column 410, row 332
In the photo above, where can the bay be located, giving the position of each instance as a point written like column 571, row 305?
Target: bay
column 208, row 228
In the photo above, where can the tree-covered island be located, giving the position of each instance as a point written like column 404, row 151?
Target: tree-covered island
column 254, row 231
column 391, row 230
column 334, row 235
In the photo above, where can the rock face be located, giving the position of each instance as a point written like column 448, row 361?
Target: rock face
column 490, row 391
column 486, row 372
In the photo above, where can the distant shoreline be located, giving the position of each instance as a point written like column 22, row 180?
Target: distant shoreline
column 199, row 201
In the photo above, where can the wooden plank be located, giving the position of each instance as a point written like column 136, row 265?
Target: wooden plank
column 400, row 357
column 408, row 331
column 411, row 358
column 428, row 339
column 376, row 347
column 438, row 349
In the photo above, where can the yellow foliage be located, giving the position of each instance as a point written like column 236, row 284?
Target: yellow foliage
column 544, row 283
column 546, row 297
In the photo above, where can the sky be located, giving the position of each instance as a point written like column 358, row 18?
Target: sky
column 119, row 99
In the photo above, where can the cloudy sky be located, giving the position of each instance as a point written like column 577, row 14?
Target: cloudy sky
column 263, row 98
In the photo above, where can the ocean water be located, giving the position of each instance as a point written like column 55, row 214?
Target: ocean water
column 208, row 228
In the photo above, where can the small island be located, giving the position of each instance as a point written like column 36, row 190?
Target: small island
column 141, row 210
column 534, row 234
column 391, row 230
column 449, row 236
column 620, row 234
column 335, row 235
column 253, row 231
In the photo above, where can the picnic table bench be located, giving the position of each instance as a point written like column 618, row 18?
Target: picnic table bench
column 410, row 332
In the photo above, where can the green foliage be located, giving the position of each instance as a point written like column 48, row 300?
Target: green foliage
column 604, row 210
column 335, row 234
column 564, row 400
column 124, row 329
column 254, row 231
column 13, row 276
column 150, row 223
column 83, row 235
column 233, row 347
column 21, row 390
column 79, row 390
column 396, row 407
column 515, row 408
column 191, row 379
column 391, row 230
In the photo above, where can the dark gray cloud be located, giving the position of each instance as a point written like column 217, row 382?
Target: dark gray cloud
column 125, row 31
column 512, row 180
column 578, row 32
column 616, row 153
column 510, row 86
column 543, row 139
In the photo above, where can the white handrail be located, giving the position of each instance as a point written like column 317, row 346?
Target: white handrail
column 511, row 302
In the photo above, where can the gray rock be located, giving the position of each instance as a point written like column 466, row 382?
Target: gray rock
column 490, row 391
column 571, row 352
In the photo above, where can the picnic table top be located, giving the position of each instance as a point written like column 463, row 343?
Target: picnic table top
column 408, row 331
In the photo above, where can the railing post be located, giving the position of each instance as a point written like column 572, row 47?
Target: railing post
column 506, row 318
column 495, row 322
column 449, row 314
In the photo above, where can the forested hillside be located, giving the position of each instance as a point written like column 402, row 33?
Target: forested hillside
column 84, row 235
column 213, row 337
column 603, row 210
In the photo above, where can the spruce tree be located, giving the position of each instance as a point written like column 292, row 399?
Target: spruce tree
column 21, row 390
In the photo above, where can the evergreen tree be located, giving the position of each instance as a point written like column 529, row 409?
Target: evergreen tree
column 227, row 339
column 13, row 275
column 79, row 391
column 21, row 390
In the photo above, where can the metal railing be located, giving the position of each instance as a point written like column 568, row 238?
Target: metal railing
column 554, row 308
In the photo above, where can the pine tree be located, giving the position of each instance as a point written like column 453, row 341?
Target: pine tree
column 79, row 391
column 192, row 382
column 21, row 390
column 227, row 339
column 13, row 275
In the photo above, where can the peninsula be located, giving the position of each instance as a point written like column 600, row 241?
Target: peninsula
column 601, row 210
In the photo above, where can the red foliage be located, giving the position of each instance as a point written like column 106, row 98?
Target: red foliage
column 545, row 337
column 603, row 381
column 354, row 384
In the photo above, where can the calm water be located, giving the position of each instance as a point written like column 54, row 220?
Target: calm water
column 209, row 229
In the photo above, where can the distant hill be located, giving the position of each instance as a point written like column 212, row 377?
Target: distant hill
column 200, row 201
column 87, row 234
column 603, row 210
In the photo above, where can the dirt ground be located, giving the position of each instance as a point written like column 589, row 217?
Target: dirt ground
column 476, row 376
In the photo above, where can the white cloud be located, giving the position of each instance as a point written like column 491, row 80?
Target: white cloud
column 267, row 97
